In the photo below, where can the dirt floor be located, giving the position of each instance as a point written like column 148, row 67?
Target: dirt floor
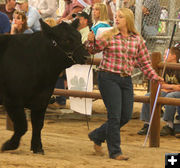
column 66, row 145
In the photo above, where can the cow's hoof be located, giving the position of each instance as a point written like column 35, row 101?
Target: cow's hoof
column 38, row 151
column 9, row 146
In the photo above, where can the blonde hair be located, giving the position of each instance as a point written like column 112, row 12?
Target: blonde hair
column 129, row 16
column 50, row 21
column 103, row 12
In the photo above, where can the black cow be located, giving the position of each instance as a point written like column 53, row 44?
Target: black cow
column 29, row 67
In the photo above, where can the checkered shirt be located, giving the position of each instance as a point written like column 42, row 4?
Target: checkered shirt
column 121, row 54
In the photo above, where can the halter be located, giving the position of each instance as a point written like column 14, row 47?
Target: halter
column 68, row 54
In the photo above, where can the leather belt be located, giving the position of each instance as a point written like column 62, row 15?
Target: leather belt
column 120, row 74
column 123, row 75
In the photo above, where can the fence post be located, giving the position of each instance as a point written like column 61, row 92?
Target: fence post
column 154, row 138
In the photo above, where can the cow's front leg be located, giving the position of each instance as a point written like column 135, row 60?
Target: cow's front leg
column 37, row 120
column 18, row 118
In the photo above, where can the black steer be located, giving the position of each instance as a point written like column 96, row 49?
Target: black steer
column 29, row 67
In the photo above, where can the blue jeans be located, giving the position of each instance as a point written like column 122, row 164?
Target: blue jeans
column 169, row 110
column 60, row 85
column 117, row 94
column 147, row 32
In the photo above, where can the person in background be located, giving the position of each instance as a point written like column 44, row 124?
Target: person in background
column 46, row 8
column 83, row 27
column 122, row 48
column 151, row 14
column 170, row 88
column 89, row 9
column 19, row 24
column 33, row 3
column 111, row 7
column 8, row 8
column 32, row 14
column 99, row 17
column 5, row 26
column 72, row 7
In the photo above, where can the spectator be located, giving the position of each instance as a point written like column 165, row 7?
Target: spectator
column 83, row 27
column 170, row 88
column 89, row 8
column 99, row 17
column 33, row 3
column 8, row 8
column 130, row 4
column 5, row 26
column 19, row 24
column 72, row 7
column 46, row 8
column 58, row 102
column 32, row 14
column 111, row 7
column 122, row 48
column 162, row 24
column 151, row 14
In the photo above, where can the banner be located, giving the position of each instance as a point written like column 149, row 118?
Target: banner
column 79, row 78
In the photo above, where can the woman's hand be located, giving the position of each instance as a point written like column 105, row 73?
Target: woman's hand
column 14, row 27
column 160, row 80
column 91, row 36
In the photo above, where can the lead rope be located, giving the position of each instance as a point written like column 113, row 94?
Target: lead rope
column 87, row 84
column 86, row 89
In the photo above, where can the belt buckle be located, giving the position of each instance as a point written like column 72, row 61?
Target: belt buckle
column 123, row 75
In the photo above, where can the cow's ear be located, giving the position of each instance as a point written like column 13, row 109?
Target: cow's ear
column 46, row 29
column 75, row 23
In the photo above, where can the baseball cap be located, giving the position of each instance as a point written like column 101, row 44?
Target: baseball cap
column 83, row 14
column 21, row 1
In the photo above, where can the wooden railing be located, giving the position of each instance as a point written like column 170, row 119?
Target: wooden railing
column 154, row 138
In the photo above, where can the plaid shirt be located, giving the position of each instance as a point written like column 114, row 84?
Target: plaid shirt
column 121, row 54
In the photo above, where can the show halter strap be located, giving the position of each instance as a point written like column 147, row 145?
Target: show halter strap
column 88, row 81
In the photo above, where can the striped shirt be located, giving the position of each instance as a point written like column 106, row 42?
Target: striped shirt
column 121, row 54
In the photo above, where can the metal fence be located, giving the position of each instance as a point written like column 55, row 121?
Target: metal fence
column 165, row 16
column 169, row 14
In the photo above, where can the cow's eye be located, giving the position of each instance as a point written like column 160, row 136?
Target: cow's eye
column 67, row 41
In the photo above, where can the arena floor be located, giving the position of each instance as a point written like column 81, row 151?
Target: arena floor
column 66, row 145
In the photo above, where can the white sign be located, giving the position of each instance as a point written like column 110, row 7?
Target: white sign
column 80, row 77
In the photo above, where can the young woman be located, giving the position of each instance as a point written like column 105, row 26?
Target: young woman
column 99, row 17
column 122, row 48
column 19, row 24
